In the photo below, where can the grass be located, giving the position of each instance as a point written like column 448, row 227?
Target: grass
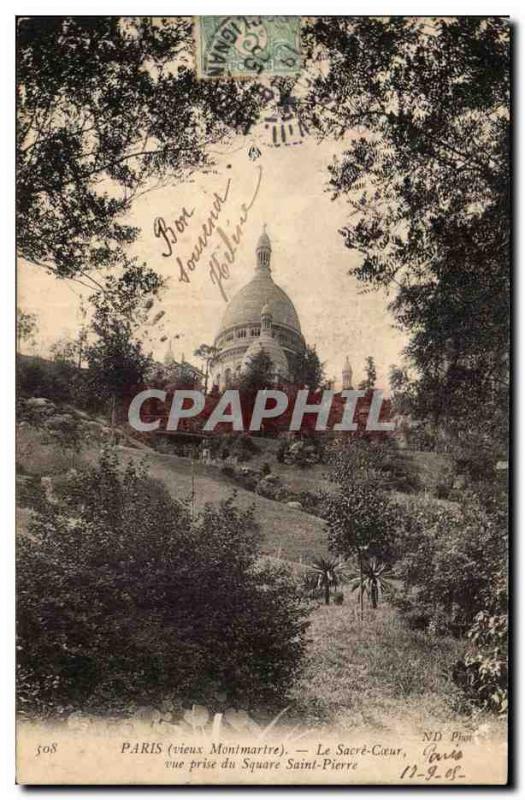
column 374, row 674
column 287, row 533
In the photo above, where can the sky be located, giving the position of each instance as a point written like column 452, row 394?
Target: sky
column 309, row 258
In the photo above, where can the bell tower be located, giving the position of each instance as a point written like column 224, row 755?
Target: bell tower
column 347, row 375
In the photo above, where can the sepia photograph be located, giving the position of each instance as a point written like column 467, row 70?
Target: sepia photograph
column 263, row 318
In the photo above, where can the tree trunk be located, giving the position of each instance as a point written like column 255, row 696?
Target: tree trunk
column 113, row 419
column 327, row 593
column 362, row 585
column 375, row 595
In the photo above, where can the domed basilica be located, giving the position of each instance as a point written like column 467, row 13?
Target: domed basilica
column 260, row 317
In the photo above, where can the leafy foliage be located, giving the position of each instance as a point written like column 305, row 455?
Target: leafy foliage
column 26, row 327
column 306, row 369
column 374, row 581
column 116, row 360
column 402, row 390
column 208, row 354
column 37, row 377
column 97, row 124
column 116, row 364
column 123, row 597
column 371, row 374
column 483, row 672
column 450, row 561
column 360, row 521
column 427, row 187
column 324, row 575
column 258, row 373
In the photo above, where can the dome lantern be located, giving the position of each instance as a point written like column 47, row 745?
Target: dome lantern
column 264, row 252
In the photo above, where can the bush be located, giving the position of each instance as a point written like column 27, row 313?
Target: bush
column 313, row 502
column 483, row 672
column 30, row 492
column 449, row 558
column 242, row 447
column 59, row 381
column 453, row 568
column 281, row 451
column 122, row 598
column 37, row 377
column 271, row 489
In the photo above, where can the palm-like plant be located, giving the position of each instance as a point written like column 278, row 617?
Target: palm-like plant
column 325, row 574
column 374, row 579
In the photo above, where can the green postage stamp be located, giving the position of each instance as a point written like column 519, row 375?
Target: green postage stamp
column 247, row 47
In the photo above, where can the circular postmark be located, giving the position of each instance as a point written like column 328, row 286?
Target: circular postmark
column 248, row 47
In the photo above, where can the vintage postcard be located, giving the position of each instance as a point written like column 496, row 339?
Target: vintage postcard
column 263, row 318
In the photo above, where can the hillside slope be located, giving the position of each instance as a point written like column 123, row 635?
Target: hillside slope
column 287, row 533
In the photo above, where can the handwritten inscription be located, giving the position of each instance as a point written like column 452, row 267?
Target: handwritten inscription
column 219, row 242
column 170, row 234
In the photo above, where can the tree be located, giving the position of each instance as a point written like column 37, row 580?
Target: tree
column 360, row 518
column 71, row 351
column 402, row 390
column 307, row 369
column 116, row 366
column 124, row 600
column 427, row 185
column 374, row 580
column 208, row 354
column 326, row 574
column 26, row 327
column 106, row 107
column 117, row 363
column 258, row 373
column 371, row 375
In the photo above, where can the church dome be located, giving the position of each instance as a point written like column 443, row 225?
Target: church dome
column 260, row 316
column 246, row 306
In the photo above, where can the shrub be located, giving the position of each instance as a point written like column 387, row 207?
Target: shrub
column 271, row 489
column 30, row 492
column 123, row 597
column 483, row 672
column 37, row 377
column 281, row 451
column 242, row 447
column 59, row 381
column 313, row 502
column 449, row 558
